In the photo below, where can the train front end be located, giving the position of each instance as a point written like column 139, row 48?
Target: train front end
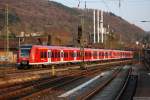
column 23, row 56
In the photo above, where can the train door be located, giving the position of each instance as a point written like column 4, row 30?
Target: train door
column 58, row 55
column 104, row 55
column 49, row 56
column 65, row 55
column 71, row 55
column 101, row 55
column 53, row 56
column 98, row 55
column 75, row 55
column 91, row 54
column 95, row 54
column 61, row 55
column 113, row 54
column 78, row 55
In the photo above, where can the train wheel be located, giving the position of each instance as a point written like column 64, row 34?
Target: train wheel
column 19, row 67
column 43, row 66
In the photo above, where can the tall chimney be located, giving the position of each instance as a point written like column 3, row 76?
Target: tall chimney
column 94, row 26
column 98, row 26
column 102, row 29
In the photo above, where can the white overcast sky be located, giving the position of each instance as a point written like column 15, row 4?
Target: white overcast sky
column 133, row 11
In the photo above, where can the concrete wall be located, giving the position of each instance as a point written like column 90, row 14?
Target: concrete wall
column 9, row 57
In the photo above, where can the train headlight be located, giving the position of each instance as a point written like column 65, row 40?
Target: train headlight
column 24, row 62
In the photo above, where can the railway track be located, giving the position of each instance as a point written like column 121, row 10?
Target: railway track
column 21, row 76
column 7, row 71
column 128, row 90
column 43, row 86
column 89, row 94
column 97, row 92
column 57, row 86
column 33, row 88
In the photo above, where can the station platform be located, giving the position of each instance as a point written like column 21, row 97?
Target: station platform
column 143, row 85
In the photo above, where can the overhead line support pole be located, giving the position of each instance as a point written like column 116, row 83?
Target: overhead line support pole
column 7, row 29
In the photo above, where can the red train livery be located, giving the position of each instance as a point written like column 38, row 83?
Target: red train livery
column 48, row 55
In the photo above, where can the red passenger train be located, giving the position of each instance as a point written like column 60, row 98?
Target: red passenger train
column 49, row 55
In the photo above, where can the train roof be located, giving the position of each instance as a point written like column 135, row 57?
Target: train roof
column 62, row 47
column 26, row 46
column 55, row 47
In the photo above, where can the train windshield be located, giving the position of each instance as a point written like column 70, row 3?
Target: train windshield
column 25, row 52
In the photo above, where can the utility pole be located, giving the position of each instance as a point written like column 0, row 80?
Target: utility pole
column 7, row 29
column 108, row 35
column 81, row 31
column 119, row 4
column 83, row 38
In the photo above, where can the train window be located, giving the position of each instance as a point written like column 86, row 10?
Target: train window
column 25, row 52
column 110, row 53
column 106, row 53
column 43, row 54
column 95, row 54
column 89, row 54
column 52, row 54
column 85, row 54
column 66, row 54
column 78, row 54
column 72, row 54
column 55, row 54
column 100, row 54
column 58, row 54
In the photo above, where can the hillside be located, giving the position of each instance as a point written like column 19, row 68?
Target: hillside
column 51, row 18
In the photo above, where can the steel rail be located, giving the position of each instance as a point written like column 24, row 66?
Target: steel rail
column 86, row 73
column 89, row 94
column 22, row 90
column 124, row 86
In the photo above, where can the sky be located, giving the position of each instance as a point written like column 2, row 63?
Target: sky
column 134, row 11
